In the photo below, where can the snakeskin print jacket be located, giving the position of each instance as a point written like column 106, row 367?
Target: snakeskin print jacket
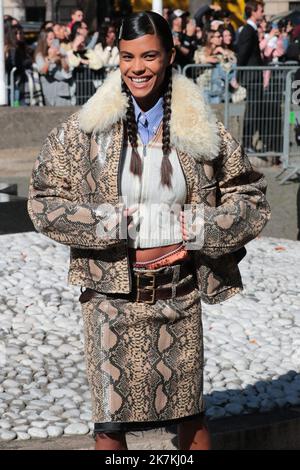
column 76, row 181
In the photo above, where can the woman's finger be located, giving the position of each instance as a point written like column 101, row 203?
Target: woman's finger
column 130, row 210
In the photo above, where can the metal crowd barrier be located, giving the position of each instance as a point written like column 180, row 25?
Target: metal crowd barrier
column 10, row 86
column 87, row 81
column 7, row 88
column 178, row 68
column 264, row 113
column 201, row 74
column 291, row 131
column 263, row 105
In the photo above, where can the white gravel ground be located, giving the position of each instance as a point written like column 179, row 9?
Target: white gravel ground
column 252, row 341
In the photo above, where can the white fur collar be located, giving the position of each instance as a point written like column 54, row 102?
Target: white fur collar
column 193, row 125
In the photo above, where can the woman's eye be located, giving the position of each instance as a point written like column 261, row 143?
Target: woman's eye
column 150, row 57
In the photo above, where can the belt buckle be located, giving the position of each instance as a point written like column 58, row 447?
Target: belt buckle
column 151, row 288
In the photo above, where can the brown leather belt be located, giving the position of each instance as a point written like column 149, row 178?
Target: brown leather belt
column 145, row 279
column 148, row 286
column 149, row 295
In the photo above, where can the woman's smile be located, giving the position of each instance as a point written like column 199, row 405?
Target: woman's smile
column 140, row 82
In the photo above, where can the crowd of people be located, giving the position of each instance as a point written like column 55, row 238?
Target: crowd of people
column 57, row 60
column 60, row 54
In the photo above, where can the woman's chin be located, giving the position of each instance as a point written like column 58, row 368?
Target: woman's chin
column 141, row 93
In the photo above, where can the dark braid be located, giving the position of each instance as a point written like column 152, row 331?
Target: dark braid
column 135, row 162
column 166, row 170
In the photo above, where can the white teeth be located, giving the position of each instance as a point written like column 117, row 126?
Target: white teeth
column 140, row 80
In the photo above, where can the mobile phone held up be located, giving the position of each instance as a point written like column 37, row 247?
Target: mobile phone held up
column 55, row 43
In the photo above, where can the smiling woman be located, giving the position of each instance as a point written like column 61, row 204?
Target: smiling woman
column 140, row 149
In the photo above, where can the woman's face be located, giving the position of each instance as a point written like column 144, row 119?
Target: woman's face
column 19, row 35
column 263, row 24
column 216, row 39
column 59, row 32
column 83, row 30
column 191, row 27
column 227, row 37
column 50, row 37
column 111, row 36
column 177, row 24
column 143, row 64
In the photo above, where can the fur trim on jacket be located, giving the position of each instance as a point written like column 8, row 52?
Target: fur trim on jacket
column 193, row 125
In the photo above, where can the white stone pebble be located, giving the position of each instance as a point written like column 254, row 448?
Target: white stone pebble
column 54, row 431
column 38, row 433
column 39, row 424
column 23, row 436
column 215, row 412
column 8, row 435
column 234, row 408
column 9, row 384
column 74, row 413
column 77, row 429
column 5, row 424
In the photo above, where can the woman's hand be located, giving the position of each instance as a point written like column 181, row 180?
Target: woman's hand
column 212, row 60
column 192, row 226
column 128, row 214
column 273, row 32
column 219, row 50
column 53, row 52
column 176, row 41
column 78, row 42
column 65, row 65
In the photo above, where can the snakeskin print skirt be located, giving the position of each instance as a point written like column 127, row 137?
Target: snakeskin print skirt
column 144, row 361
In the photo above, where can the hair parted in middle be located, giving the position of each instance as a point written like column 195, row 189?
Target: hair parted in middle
column 132, row 27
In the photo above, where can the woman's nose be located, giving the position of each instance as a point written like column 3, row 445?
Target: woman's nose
column 138, row 66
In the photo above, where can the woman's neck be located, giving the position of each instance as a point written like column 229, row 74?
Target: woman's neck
column 210, row 49
column 149, row 101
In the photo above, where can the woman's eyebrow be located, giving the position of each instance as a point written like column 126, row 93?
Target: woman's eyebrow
column 144, row 53
column 152, row 51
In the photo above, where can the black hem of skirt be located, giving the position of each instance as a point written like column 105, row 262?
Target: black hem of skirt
column 112, row 427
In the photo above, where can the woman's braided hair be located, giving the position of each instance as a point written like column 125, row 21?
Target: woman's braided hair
column 166, row 167
column 136, row 166
column 132, row 27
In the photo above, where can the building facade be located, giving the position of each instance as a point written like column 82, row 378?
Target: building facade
column 275, row 7
column 36, row 10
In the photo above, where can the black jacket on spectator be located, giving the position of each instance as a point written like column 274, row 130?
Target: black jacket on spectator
column 203, row 11
column 293, row 51
column 248, row 52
